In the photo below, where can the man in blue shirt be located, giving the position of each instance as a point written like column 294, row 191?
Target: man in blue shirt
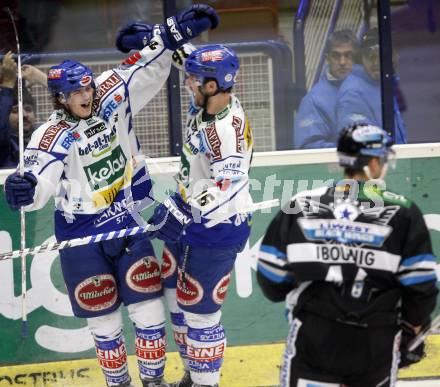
column 9, row 148
column 315, row 119
column 9, row 142
column 359, row 97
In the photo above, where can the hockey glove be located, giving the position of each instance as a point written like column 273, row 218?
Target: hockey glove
column 20, row 190
column 170, row 218
column 190, row 23
column 174, row 32
column 134, row 36
column 409, row 357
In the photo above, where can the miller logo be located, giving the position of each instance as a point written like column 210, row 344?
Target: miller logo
column 189, row 291
column 219, row 292
column 97, row 293
column 169, row 264
column 144, row 275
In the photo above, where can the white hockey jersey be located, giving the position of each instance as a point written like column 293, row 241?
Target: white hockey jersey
column 214, row 174
column 94, row 167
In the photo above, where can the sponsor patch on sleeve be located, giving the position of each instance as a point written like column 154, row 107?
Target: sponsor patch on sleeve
column 50, row 134
column 214, row 142
column 236, row 124
column 105, row 86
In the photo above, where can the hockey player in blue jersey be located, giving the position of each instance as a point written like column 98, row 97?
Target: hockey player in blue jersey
column 355, row 266
column 315, row 121
column 359, row 98
column 88, row 158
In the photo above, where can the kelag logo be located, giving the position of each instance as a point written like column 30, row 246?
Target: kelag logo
column 104, row 172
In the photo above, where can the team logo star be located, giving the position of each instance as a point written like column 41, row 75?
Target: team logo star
column 345, row 211
column 346, row 214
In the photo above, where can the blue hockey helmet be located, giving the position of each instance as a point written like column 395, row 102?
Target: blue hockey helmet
column 214, row 61
column 68, row 76
column 360, row 142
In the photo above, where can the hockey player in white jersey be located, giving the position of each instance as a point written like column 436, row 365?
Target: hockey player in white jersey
column 214, row 179
column 214, row 169
column 88, row 158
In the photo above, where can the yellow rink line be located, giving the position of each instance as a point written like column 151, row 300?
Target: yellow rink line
column 245, row 366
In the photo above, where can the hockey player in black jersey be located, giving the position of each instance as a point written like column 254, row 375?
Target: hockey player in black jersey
column 354, row 264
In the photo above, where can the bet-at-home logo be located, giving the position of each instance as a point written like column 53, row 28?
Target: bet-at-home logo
column 104, row 172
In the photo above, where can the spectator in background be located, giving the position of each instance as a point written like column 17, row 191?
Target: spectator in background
column 9, row 141
column 359, row 97
column 315, row 121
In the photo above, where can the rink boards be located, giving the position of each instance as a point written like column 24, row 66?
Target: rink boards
column 250, row 320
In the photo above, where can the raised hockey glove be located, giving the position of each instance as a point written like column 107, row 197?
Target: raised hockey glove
column 190, row 23
column 20, row 190
column 171, row 217
column 134, row 36
column 408, row 357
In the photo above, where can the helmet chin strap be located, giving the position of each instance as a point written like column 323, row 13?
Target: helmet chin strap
column 367, row 172
column 383, row 172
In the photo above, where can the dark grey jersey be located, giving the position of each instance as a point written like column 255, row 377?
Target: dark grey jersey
column 355, row 241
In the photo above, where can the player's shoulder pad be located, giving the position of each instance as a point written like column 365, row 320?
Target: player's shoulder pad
column 56, row 135
column 390, row 197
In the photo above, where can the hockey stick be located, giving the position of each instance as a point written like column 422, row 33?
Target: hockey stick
column 87, row 240
column 24, row 327
column 112, row 235
column 414, row 343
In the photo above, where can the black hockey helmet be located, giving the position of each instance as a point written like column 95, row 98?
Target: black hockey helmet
column 358, row 143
